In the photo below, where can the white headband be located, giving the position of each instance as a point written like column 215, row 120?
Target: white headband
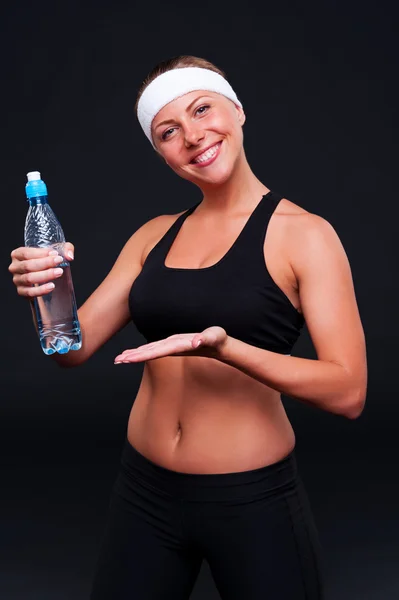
column 175, row 83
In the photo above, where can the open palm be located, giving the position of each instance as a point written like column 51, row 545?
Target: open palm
column 212, row 340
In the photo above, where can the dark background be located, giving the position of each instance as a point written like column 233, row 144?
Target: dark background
column 317, row 81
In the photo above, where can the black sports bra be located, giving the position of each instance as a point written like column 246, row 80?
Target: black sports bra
column 237, row 293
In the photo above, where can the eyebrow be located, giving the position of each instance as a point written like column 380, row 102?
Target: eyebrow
column 187, row 109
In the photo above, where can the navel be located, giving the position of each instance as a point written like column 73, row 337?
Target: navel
column 179, row 431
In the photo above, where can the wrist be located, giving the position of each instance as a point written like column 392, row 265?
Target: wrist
column 226, row 349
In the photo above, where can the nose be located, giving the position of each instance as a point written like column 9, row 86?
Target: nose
column 192, row 135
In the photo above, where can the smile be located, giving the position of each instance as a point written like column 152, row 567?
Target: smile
column 206, row 158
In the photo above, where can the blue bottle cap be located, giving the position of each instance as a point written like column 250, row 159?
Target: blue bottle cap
column 35, row 186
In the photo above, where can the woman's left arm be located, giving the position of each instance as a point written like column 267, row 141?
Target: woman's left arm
column 337, row 380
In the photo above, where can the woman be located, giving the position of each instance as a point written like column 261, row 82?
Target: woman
column 220, row 292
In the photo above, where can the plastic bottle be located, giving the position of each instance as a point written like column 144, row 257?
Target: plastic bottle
column 55, row 313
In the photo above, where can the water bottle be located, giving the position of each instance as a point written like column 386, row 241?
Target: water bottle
column 55, row 313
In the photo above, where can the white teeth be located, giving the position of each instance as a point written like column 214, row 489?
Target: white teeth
column 208, row 154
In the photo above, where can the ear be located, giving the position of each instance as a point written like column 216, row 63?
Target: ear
column 241, row 114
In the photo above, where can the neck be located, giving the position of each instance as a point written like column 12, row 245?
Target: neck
column 239, row 193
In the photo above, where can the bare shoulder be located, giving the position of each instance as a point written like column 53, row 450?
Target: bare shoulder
column 290, row 218
column 298, row 223
column 301, row 232
column 305, row 233
column 299, row 220
column 290, row 209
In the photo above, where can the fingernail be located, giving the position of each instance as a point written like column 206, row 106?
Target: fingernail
column 53, row 253
column 70, row 254
column 198, row 343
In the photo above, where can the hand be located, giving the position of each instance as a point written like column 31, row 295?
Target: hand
column 34, row 268
column 212, row 339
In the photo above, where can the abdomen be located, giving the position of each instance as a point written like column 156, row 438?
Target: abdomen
column 198, row 415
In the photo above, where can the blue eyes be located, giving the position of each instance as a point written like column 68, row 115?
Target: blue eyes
column 204, row 106
column 164, row 135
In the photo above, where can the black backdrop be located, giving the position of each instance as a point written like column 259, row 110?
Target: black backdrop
column 317, row 81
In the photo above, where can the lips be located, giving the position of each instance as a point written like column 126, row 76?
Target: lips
column 204, row 163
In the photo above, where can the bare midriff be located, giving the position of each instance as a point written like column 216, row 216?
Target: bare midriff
column 199, row 415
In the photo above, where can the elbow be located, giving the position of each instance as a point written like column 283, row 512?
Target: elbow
column 355, row 407
column 67, row 365
column 354, row 412
column 67, row 361
column 63, row 365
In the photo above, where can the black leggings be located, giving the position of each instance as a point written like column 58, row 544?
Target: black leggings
column 254, row 528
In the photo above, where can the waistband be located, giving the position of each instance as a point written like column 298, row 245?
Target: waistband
column 209, row 486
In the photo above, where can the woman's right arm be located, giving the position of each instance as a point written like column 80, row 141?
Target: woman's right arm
column 106, row 311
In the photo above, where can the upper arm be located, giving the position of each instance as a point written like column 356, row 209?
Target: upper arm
column 328, row 298
column 106, row 311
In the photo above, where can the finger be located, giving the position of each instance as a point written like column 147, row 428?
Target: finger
column 35, row 291
column 37, row 277
column 129, row 358
column 139, row 357
column 127, row 353
column 146, row 350
column 22, row 257
column 25, row 253
column 31, row 265
column 197, row 342
column 69, row 250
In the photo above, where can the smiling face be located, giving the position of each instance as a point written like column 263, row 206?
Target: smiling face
column 200, row 137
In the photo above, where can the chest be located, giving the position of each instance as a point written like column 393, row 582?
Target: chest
column 202, row 246
column 236, row 277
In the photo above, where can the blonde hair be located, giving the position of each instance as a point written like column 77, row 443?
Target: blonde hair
column 176, row 62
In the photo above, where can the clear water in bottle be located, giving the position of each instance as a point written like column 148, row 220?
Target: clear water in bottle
column 55, row 313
